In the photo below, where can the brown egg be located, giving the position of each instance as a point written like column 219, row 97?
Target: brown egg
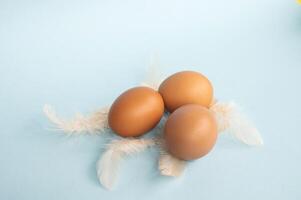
column 186, row 87
column 136, row 112
column 190, row 132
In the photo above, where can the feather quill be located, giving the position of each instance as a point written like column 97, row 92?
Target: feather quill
column 94, row 123
column 109, row 163
column 230, row 119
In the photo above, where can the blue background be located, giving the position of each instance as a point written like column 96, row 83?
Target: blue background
column 80, row 55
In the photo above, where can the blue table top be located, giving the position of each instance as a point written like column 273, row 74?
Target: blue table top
column 78, row 56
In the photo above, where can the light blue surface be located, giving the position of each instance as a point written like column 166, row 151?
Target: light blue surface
column 79, row 55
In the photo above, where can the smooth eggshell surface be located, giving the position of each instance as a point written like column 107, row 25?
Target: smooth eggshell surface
column 190, row 132
column 136, row 111
column 186, row 87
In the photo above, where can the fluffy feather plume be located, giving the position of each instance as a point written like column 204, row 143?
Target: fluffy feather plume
column 108, row 164
column 153, row 76
column 231, row 119
column 91, row 124
column 168, row 164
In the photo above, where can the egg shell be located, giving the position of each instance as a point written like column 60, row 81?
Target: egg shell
column 190, row 132
column 136, row 111
column 186, row 87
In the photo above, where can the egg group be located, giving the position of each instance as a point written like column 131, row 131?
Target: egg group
column 190, row 131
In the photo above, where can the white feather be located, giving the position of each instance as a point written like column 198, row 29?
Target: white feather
column 153, row 77
column 108, row 164
column 170, row 165
column 232, row 120
column 93, row 123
